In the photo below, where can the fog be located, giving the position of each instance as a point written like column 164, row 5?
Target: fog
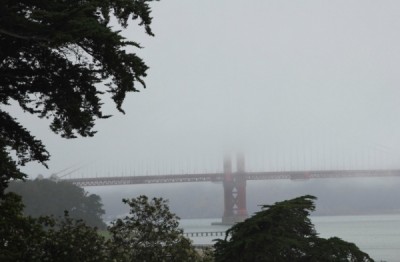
column 293, row 85
column 370, row 196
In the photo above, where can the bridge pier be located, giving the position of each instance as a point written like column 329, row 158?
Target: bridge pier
column 234, row 191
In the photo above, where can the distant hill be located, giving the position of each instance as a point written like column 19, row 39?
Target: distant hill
column 44, row 197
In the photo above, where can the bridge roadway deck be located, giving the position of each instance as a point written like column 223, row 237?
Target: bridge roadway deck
column 151, row 179
column 219, row 177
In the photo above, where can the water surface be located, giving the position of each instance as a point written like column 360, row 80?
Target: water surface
column 377, row 235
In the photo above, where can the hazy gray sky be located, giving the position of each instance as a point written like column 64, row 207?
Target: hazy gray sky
column 294, row 84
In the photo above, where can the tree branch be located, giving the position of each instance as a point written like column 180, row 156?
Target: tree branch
column 23, row 37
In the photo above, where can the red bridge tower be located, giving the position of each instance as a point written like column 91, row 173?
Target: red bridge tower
column 234, row 191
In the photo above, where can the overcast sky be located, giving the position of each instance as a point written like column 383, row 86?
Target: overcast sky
column 292, row 84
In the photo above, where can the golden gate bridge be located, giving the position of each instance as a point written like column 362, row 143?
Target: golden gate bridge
column 233, row 181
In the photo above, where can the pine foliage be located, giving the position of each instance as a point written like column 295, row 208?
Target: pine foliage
column 53, row 55
column 284, row 232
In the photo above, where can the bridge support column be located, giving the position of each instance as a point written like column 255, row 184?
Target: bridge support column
column 240, row 183
column 228, row 216
column 234, row 191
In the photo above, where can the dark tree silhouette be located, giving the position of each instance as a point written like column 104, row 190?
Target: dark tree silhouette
column 149, row 233
column 25, row 238
column 52, row 56
column 284, row 232
column 50, row 198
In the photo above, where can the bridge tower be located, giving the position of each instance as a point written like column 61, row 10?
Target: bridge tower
column 234, row 191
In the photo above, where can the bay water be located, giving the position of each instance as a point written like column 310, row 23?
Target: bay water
column 377, row 235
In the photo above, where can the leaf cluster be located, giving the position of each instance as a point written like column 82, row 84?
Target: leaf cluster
column 156, row 237
column 14, row 137
column 284, row 232
column 53, row 55
column 23, row 238
column 150, row 233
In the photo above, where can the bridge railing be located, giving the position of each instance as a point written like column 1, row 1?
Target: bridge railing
column 204, row 234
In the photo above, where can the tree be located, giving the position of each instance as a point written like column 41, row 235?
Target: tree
column 45, row 197
column 72, row 240
column 336, row 249
column 19, row 235
column 53, row 55
column 8, row 169
column 23, row 238
column 149, row 233
column 283, row 232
